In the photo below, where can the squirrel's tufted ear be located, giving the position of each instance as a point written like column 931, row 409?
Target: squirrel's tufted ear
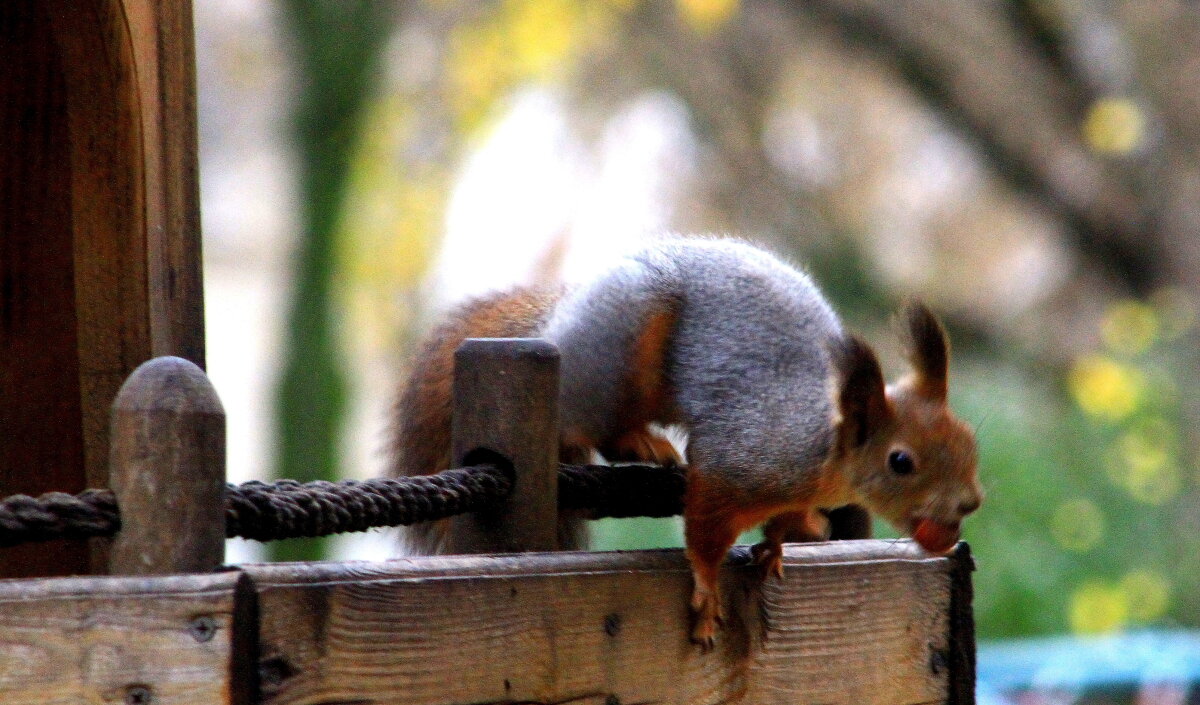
column 862, row 401
column 928, row 350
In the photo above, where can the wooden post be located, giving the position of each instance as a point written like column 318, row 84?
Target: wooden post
column 506, row 400
column 168, row 471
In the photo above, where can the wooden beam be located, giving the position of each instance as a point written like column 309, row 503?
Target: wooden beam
column 169, row 640
column 852, row 622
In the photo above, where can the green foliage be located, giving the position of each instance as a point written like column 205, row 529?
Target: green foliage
column 1080, row 531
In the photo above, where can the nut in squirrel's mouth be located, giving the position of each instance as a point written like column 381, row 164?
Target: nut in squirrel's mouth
column 935, row 536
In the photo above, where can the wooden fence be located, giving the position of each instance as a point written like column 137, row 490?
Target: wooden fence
column 852, row 622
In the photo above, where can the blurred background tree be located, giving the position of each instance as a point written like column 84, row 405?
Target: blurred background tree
column 1030, row 167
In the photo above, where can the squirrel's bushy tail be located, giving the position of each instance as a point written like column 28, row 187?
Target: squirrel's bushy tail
column 421, row 436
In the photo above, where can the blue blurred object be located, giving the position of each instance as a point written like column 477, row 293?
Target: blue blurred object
column 1151, row 666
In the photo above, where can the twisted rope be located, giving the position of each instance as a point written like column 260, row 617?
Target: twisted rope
column 57, row 515
column 290, row 509
column 621, row 491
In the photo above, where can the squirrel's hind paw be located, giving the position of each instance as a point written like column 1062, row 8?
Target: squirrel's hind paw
column 768, row 555
column 641, row 445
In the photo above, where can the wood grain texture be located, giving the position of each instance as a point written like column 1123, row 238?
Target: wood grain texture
column 164, row 51
column 41, row 443
column 95, row 640
column 506, row 401
column 852, row 622
column 100, row 267
column 103, row 116
column 168, row 471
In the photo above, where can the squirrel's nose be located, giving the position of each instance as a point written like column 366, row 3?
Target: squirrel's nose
column 968, row 506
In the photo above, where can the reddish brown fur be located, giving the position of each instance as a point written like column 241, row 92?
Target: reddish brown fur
column 421, row 444
column 646, row 398
column 929, row 502
column 715, row 513
column 422, row 440
column 422, row 436
column 928, row 350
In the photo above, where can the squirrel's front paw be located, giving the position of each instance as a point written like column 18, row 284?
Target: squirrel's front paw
column 768, row 555
column 706, row 616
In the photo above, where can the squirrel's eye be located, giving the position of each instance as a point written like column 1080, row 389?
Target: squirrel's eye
column 900, row 462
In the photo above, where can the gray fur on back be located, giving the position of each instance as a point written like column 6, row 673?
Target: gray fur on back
column 748, row 360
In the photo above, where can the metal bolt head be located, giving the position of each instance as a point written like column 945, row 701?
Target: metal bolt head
column 202, row 628
column 138, row 695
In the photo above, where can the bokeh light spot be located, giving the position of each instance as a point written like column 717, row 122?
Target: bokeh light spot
column 705, row 16
column 1105, row 388
column 1096, row 608
column 1077, row 524
column 1149, row 594
column 1145, row 464
column 1114, row 126
column 1129, row 327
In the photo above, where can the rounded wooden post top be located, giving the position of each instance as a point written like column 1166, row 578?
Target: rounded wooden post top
column 169, row 384
column 167, row 469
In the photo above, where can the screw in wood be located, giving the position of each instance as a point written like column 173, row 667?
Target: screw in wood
column 202, row 628
column 138, row 695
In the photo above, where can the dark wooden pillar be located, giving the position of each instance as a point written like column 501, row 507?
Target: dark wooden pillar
column 506, row 401
column 99, row 234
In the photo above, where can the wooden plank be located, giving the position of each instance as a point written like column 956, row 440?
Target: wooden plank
column 506, row 401
column 107, row 197
column 168, row 471
column 163, row 45
column 853, row 622
column 165, row 640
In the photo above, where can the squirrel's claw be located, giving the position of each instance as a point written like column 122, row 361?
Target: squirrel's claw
column 706, row 610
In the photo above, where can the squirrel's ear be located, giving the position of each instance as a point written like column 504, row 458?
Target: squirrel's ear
column 862, row 401
column 928, row 350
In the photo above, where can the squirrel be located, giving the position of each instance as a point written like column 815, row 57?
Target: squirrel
column 787, row 414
